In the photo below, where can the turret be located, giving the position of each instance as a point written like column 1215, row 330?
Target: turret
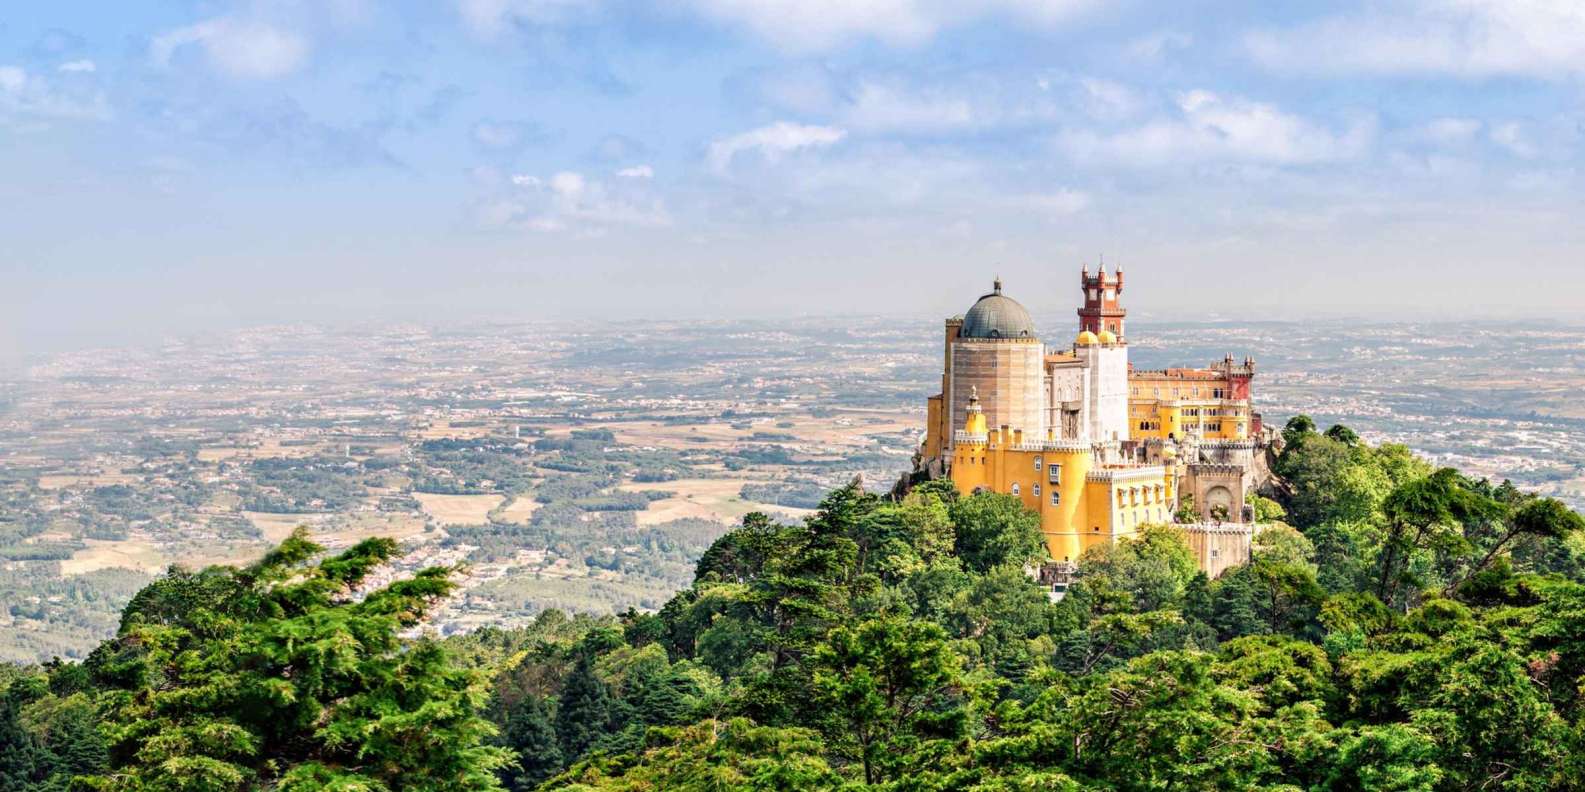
column 976, row 420
column 969, row 467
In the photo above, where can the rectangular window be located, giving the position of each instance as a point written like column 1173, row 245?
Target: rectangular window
column 1054, row 474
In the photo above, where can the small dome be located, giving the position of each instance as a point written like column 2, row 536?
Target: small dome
column 1107, row 337
column 1086, row 338
column 996, row 316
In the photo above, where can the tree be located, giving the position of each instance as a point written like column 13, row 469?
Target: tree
column 1153, row 568
column 1276, row 592
column 995, row 529
column 20, row 758
column 1391, row 758
column 275, row 675
column 1541, row 518
column 532, row 740
column 583, row 713
column 713, row 756
column 1343, row 434
column 1426, row 513
column 927, row 518
column 1298, row 429
column 1266, row 510
column 1160, row 722
column 888, row 684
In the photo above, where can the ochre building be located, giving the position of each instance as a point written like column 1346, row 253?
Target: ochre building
column 1094, row 447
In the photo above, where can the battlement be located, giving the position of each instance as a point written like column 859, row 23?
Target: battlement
column 1071, row 446
column 1217, row 529
column 1152, row 473
column 1230, row 445
column 997, row 439
column 1216, row 469
column 1176, row 373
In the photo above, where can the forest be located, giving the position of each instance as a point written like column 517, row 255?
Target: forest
column 1398, row 627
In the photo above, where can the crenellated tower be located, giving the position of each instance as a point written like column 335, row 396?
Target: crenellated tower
column 1103, row 307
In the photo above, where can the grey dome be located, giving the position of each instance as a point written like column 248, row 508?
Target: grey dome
column 996, row 316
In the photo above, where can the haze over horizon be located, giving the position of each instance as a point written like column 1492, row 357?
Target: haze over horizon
column 218, row 164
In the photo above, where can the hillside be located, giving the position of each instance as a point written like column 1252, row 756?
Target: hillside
column 1403, row 628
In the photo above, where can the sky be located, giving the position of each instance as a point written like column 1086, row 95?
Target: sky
column 170, row 167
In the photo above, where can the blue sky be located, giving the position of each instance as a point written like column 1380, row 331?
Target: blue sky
column 184, row 165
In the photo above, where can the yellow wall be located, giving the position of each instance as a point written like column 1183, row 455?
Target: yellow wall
column 1087, row 513
column 1152, row 419
column 998, row 464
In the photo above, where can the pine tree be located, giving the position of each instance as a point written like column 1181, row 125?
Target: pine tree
column 532, row 739
column 583, row 711
column 275, row 676
column 19, row 755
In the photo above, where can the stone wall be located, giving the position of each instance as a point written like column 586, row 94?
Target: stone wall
column 1217, row 548
column 1010, row 377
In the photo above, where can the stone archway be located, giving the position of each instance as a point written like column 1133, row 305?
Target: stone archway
column 1219, row 504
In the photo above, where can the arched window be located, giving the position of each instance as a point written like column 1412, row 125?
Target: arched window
column 1015, row 488
column 1037, row 489
column 1037, row 464
column 1056, row 498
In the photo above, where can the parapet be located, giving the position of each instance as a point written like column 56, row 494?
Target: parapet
column 1216, row 470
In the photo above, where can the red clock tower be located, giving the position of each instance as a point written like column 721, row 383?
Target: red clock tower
column 1103, row 308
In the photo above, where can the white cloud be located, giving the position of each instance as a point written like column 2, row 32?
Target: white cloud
column 1109, row 100
column 807, row 25
column 1210, row 127
column 78, row 66
column 239, row 48
column 1059, row 203
column 1448, row 131
column 1468, row 38
column 877, row 107
column 35, row 98
column 505, row 135
column 1154, row 45
column 1511, row 136
column 570, row 201
column 637, row 172
column 772, row 142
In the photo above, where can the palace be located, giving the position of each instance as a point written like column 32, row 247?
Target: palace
column 1093, row 446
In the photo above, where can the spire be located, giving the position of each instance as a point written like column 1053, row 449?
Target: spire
column 1103, row 266
column 974, row 398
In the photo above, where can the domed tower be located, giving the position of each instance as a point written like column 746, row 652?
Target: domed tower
column 996, row 353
